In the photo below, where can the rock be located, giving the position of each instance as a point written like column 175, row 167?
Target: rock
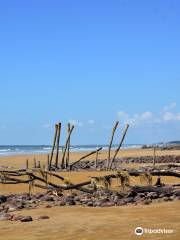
column 48, row 206
column 70, row 202
column 132, row 194
column 43, row 217
column 129, row 199
column 3, row 199
column 5, row 217
column 147, row 202
column 62, row 203
column 90, row 204
column 177, row 192
column 107, row 204
column 152, row 195
column 47, row 198
column 166, row 199
column 26, row 219
column 121, row 203
column 18, row 218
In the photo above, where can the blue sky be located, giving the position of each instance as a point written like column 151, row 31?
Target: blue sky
column 91, row 63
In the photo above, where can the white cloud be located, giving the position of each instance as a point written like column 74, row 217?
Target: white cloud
column 76, row 123
column 169, row 116
column 169, row 107
column 134, row 119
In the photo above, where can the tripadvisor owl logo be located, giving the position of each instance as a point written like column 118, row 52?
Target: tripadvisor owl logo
column 139, row 231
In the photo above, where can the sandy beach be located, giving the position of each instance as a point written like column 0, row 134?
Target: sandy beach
column 80, row 222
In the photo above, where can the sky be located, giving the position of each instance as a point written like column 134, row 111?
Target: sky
column 89, row 63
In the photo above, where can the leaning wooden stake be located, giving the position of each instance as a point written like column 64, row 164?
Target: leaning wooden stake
column 67, row 155
column 58, row 139
column 154, row 156
column 85, row 156
column 110, row 144
column 48, row 166
column 120, row 144
column 53, row 146
column 96, row 160
column 65, row 147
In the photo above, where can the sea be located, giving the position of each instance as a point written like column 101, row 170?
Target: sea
column 9, row 150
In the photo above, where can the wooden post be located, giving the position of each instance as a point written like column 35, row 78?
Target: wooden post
column 120, row 144
column 48, row 168
column 154, row 156
column 35, row 163
column 53, row 146
column 58, row 139
column 27, row 164
column 110, row 144
column 39, row 164
column 65, row 147
column 96, row 160
column 67, row 155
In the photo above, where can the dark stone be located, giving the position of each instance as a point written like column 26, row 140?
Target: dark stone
column 48, row 198
column 3, row 199
column 90, row 204
column 132, row 194
column 26, row 219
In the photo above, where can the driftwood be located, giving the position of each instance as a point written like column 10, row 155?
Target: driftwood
column 96, row 160
column 40, row 178
column 85, row 156
column 66, row 146
column 53, row 146
column 110, row 144
column 143, row 189
column 120, row 144
column 67, row 155
column 58, row 140
column 154, row 156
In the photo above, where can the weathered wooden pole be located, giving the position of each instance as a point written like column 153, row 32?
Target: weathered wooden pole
column 67, row 155
column 35, row 163
column 154, row 156
column 48, row 167
column 27, row 164
column 66, row 145
column 96, row 160
column 110, row 144
column 58, row 140
column 120, row 144
column 53, row 146
column 39, row 164
column 85, row 156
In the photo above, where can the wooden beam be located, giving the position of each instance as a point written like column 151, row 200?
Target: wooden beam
column 65, row 147
column 110, row 144
column 58, row 140
column 120, row 144
column 53, row 146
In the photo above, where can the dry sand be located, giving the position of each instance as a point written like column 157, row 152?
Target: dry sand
column 78, row 222
column 85, row 223
column 19, row 161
